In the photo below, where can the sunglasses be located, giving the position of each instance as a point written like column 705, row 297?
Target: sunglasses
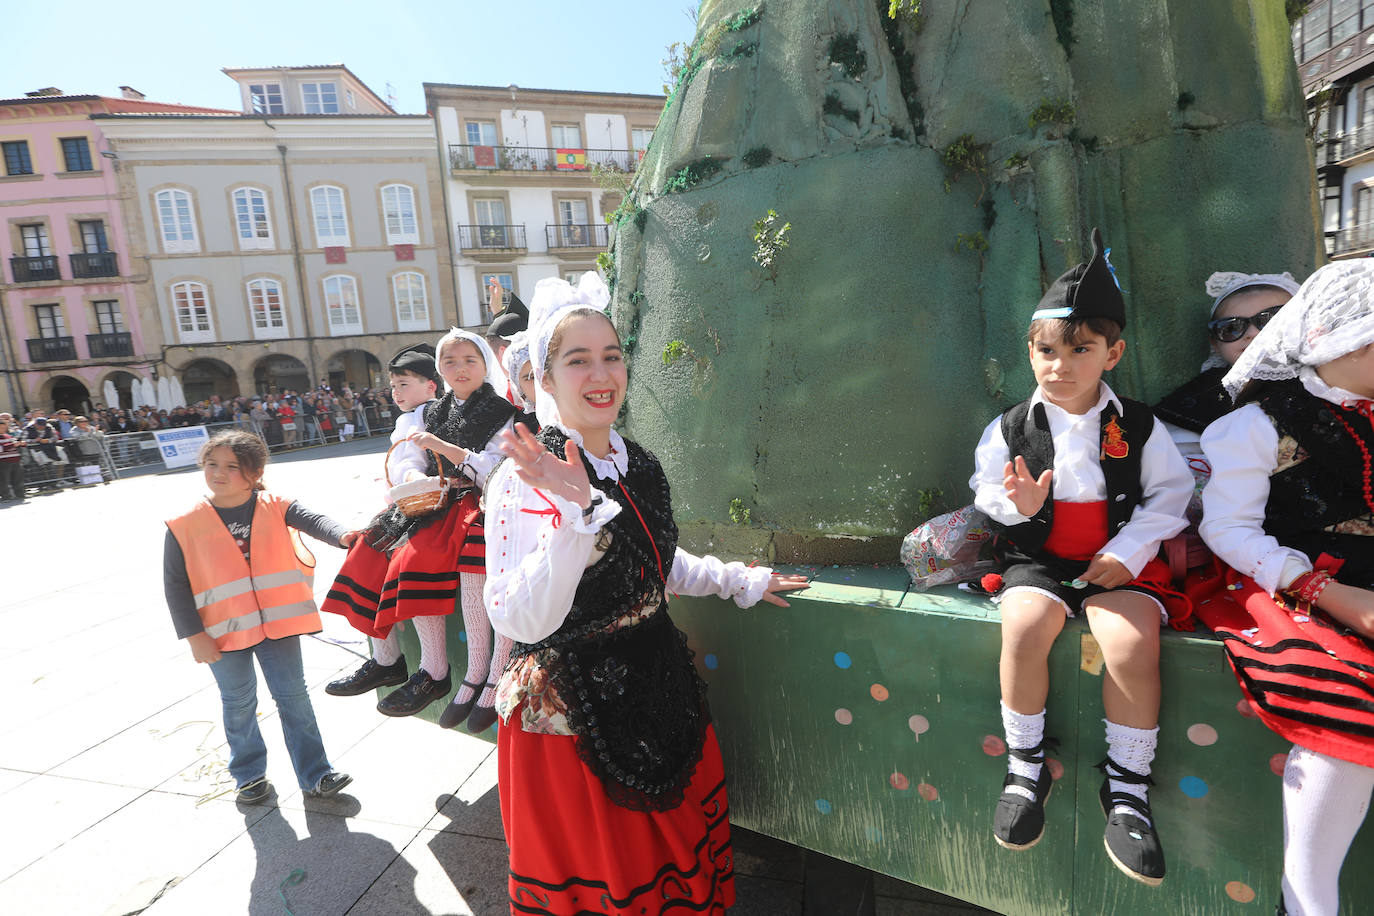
column 1229, row 330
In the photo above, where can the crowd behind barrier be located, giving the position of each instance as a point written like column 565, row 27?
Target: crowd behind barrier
column 84, row 453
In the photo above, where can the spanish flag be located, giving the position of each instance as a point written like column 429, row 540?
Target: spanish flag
column 570, row 159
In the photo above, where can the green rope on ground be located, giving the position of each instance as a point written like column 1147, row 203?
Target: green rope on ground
column 296, row 877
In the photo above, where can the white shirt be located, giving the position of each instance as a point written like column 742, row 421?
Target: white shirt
column 409, row 456
column 1243, row 449
column 534, row 567
column 1165, row 481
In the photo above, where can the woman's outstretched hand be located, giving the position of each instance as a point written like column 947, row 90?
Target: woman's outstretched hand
column 778, row 583
column 538, row 467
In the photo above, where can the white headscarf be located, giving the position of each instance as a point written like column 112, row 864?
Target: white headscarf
column 554, row 299
column 516, row 355
column 1331, row 315
column 493, row 377
column 1223, row 283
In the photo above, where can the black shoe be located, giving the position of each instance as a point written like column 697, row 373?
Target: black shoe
column 482, row 718
column 415, row 695
column 1019, row 822
column 456, row 712
column 330, row 784
column 1132, row 844
column 251, row 793
column 369, row 677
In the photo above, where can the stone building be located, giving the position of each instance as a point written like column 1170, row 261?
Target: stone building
column 301, row 240
column 524, row 198
column 69, row 288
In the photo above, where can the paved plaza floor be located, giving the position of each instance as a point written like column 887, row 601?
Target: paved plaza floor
column 111, row 749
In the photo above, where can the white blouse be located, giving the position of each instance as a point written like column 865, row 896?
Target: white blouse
column 1243, row 449
column 407, row 456
column 1166, row 483
column 539, row 544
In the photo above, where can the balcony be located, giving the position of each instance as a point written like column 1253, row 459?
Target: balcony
column 577, row 236
column 491, row 238
column 1356, row 142
column 109, row 346
column 539, row 159
column 32, row 270
column 52, row 349
column 1353, row 239
column 98, row 264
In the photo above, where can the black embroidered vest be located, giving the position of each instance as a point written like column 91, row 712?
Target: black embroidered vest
column 636, row 705
column 1324, row 488
column 1196, row 403
column 1027, row 433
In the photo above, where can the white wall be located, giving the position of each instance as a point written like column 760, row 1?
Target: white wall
column 597, row 136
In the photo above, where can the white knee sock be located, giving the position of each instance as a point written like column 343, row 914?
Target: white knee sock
column 1023, row 732
column 499, row 656
column 1324, row 803
column 387, row 651
column 433, row 645
column 1130, row 749
column 478, row 629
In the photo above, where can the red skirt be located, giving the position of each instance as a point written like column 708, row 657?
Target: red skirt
column 1307, row 681
column 419, row 579
column 573, row 851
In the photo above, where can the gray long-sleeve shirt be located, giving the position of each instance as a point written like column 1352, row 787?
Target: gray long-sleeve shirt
column 176, row 584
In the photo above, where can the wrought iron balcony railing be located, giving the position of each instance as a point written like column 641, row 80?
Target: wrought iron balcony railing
column 105, row 346
column 494, row 238
column 98, row 264
column 577, row 236
column 540, row 159
column 1353, row 238
column 51, row 349
column 31, row 270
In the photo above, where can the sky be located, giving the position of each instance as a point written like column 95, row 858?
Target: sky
column 173, row 51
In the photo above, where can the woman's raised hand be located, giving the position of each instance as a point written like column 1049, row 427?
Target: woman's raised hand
column 538, row 467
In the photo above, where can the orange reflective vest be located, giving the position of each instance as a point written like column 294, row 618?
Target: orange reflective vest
column 242, row 603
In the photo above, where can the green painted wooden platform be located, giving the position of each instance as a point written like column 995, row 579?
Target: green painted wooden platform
column 863, row 723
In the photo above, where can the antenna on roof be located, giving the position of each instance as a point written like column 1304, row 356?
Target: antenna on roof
column 391, row 95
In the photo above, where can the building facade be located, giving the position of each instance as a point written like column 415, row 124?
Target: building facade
column 531, row 176
column 70, row 284
column 286, row 249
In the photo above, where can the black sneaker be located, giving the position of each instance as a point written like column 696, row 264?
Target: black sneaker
column 369, row 677
column 330, row 784
column 415, row 695
column 1132, row 844
column 1019, row 822
column 251, row 793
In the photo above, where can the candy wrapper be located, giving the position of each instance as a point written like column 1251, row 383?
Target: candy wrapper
column 948, row 549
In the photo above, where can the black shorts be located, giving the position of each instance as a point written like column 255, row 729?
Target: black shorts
column 1050, row 575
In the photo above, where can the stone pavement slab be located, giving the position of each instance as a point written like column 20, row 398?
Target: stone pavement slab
column 441, row 872
column 47, row 811
column 475, row 809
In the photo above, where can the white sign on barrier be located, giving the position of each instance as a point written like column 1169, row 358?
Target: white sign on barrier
column 181, row 447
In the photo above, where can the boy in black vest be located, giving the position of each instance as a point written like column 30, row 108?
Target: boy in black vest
column 1082, row 487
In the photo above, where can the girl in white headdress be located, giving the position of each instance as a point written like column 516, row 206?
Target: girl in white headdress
column 1290, row 509
column 610, row 775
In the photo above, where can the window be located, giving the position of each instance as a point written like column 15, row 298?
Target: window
column 265, row 303
column 491, row 222
column 572, row 212
column 566, row 136
column 76, row 153
column 320, row 98
column 17, row 160
column 481, row 133
column 108, row 319
column 265, row 98
column 191, row 306
column 178, row 226
column 50, row 321
column 35, row 239
column 341, row 305
column 93, row 240
column 331, row 220
column 398, row 212
column 483, row 282
column 640, row 137
column 250, row 218
column 348, row 96
column 412, row 305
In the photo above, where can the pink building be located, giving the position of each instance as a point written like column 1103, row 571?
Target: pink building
column 69, row 292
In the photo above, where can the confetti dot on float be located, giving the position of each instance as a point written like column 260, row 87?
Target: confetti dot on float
column 710, row 661
column 822, row 806
column 994, row 746
column 1056, row 768
column 919, row 725
column 879, row 692
column 1277, row 763
column 874, row 835
column 1192, row 787
column 842, row 660
column 899, row 782
column 1202, row 734
column 1245, row 709
column 843, row 716
column 462, row 635
column 928, row 792
column 1239, row 891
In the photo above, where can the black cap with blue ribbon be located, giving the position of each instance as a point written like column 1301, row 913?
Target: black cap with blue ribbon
column 1087, row 291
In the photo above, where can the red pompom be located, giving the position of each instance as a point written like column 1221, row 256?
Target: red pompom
column 992, row 583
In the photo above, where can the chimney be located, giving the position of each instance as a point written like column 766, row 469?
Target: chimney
column 129, row 92
column 44, row 93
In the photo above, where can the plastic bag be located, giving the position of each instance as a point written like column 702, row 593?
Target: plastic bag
column 948, row 549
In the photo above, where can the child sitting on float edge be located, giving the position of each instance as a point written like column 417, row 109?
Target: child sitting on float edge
column 1081, row 487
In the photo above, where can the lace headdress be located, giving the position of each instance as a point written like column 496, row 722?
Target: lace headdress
column 516, row 355
column 554, row 299
column 1223, row 283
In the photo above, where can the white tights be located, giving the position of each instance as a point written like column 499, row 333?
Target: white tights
column 1324, row 803
column 484, row 664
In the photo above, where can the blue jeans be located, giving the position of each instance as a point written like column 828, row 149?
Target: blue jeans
column 280, row 660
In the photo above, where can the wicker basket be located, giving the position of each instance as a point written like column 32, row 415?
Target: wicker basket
column 421, row 497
